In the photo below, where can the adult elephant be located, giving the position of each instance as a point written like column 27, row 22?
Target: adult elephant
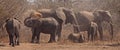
column 62, row 15
column 47, row 25
column 99, row 16
column 12, row 27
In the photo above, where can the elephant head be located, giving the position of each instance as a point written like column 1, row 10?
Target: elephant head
column 66, row 15
column 100, row 16
column 33, row 19
column 103, row 16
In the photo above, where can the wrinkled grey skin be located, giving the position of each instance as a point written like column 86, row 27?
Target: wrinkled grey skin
column 12, row 27
column 92, row 31
column 85, row 17
column 62, row 15
column 47, row 25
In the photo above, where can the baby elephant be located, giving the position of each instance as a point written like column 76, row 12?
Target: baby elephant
column 12, row 27
column 47, row 25
column 92, row 31
column 77, row 38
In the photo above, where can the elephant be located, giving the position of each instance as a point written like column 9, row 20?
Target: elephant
column 13, row 28
column 92, row 31
column 62, row 15
column 92, row 34
column 47, row 25
column 98, row 16
column 76, row 38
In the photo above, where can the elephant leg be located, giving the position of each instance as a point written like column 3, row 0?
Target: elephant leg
column 89, row 32
column 59, row 32
column 92, row 36
column 33, row 35
column 52, row 38
column 10, row 36
column 10, row 39
column 111, row 31
column 92, row 33
column 100, row 32
column 88, row 35
column 38, row 35
column 76, row 29
column 17, row 38
column 38, row 38
column 95, row 34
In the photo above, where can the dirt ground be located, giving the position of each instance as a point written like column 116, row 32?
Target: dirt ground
column 64, row 46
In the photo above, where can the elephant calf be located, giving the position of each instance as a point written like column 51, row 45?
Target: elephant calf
column 47, row 25
column 12, row 27
column 77, row 38
column 92, row 31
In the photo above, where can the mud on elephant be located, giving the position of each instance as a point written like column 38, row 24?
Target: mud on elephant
column 47, row 25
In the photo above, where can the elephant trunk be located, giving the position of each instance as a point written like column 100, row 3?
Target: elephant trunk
column 75, row 22
column 27, row 22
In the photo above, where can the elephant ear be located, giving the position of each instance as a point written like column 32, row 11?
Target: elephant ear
column 60, row 14
column 108, row 16
column 97, row 15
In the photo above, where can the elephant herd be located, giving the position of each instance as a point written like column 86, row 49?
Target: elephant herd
column 50, row 21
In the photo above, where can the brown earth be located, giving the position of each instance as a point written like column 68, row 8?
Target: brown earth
column 64, row 46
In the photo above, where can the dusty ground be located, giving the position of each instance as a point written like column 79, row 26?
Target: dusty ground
column 64, row 46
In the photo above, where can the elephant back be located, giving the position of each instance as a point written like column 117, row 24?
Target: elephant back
column 48, row 20
column 47, row 12
column 16, row 23
column 84, row 18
